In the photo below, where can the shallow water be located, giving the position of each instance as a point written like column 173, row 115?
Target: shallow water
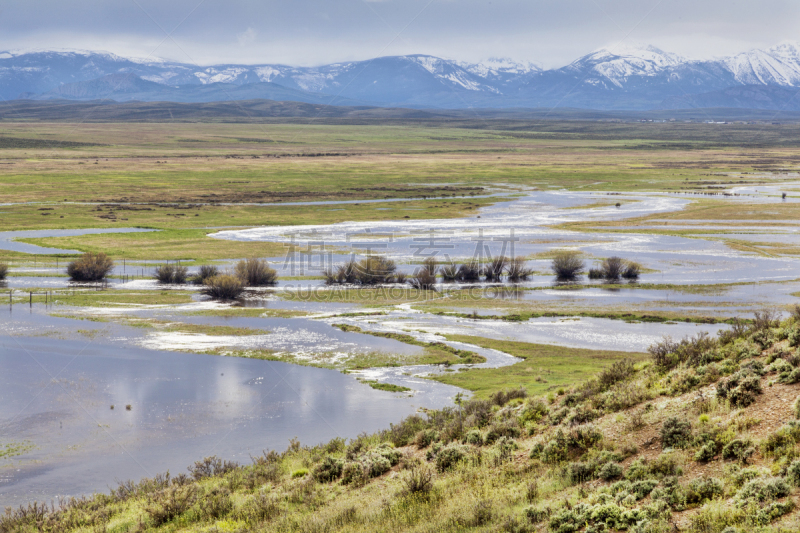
column 523, row 227
column 7, row 241
column 56, row 395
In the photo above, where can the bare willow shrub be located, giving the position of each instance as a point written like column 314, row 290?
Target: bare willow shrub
column 632, row 270
column 425, row 276
column 205, row 272
column 567, row 265
column 612, row 268
column 469, row 272
column 342, row 274
column 494, row 270
column 167, row 273
column 223, row 287
column 449, row 272
column 3, row 271
column 256, row 272
column 90, row 267
column 517, row 271
column 374, row 270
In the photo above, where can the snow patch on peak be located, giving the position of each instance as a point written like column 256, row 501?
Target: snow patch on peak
column 495, row 66
column 779, row 65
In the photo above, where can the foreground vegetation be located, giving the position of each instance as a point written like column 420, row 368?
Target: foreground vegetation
column 702, row 437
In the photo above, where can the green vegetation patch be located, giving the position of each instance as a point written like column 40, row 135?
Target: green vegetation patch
column 544, row 367
column 388, row 387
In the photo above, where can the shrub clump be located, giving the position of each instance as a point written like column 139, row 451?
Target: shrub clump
column 425, row 277
column 3, row 271
column 567, row 265
column 205, row 272
column 256, row 273
column 328, row 470
column 740, row 389
column 675, row 433
column 90, row 267
column 174, row 274
column 449, row 456
column 517, row 271
column 612, row 268
column 223, row 287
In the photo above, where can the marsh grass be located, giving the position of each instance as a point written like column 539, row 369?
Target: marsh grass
column 567, row 265
column 255, row 272
column 90, row 267
column 223, row 287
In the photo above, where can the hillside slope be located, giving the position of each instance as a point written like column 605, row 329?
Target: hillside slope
column 703, row 437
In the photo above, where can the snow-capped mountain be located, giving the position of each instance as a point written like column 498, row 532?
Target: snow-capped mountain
column 617, row 77
column 779, row 65
column 615, row 65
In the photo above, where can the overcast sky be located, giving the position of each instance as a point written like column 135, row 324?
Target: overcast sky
column 550, row 33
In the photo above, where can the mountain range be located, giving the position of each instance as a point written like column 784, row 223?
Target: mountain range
column 615, row 78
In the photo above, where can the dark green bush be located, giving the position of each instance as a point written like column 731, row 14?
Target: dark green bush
column 675, row 433
column 90, row 267
column 793, row 473
column 609, row 471
column 328, row 470
column 450, row 455
column 703, row 489
column 763, row 490
column 738, row 450
column 740, row 389
column 706, row 452
column 474, row 437
column 618, row 371
column 3, row 271
column 426, row 437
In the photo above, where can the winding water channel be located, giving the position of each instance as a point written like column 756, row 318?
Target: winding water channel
column 61, row 376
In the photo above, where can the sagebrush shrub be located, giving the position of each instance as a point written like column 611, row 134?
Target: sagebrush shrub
column 328, row 470
column 675, row 433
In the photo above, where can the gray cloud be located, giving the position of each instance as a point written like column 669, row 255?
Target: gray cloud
column 308, row 32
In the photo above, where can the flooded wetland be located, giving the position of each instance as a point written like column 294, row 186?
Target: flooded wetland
column 127, row 376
